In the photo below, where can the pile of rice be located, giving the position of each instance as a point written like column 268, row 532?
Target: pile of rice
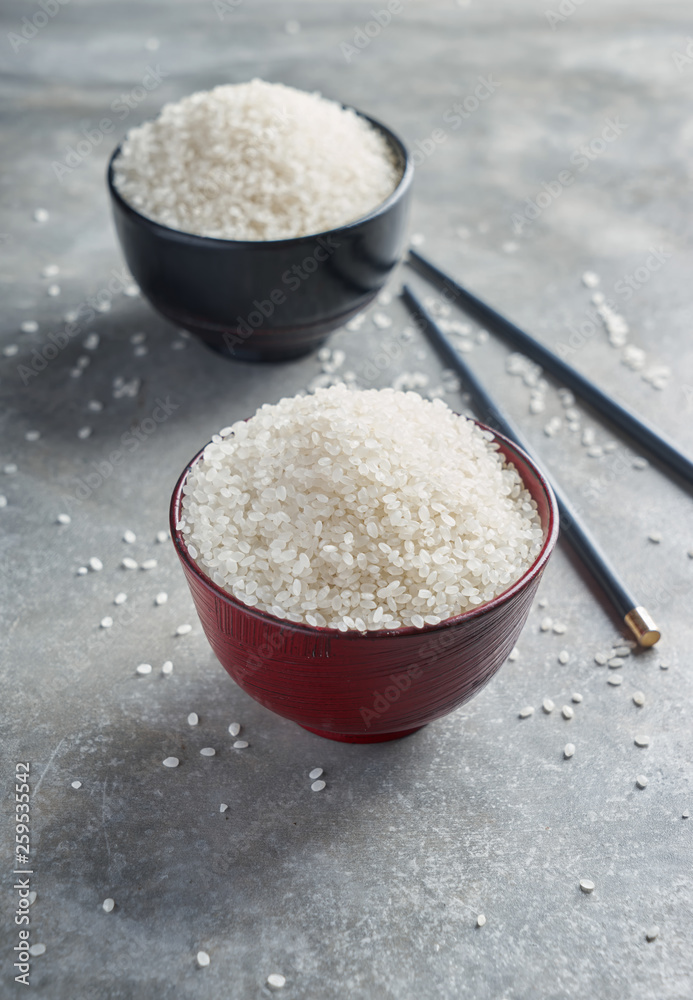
column 362, row 510
column 255, row 161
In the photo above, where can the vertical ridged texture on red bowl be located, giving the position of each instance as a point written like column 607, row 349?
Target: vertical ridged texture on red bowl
column 365, row 688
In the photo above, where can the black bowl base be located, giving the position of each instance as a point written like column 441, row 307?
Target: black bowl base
column 260, row 354
column 279, row 344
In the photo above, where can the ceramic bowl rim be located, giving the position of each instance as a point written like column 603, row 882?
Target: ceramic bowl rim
column 182, row 236
column 534, row 570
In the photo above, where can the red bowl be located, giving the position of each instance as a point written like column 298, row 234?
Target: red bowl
column 367, row 688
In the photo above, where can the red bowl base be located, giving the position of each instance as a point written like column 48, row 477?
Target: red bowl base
column 362, row 738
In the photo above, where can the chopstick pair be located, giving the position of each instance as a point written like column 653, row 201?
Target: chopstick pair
column 627, row 421
column 636, row 617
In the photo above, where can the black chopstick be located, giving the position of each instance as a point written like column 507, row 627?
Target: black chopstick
column 636, row 617
column 631, row 424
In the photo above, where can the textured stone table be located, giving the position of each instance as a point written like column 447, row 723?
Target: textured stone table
column 371, row 888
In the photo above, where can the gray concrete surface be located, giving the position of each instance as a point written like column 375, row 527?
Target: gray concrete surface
column 370, row 889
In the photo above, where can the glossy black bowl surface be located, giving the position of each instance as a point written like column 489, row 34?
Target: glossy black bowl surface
column 266, row 300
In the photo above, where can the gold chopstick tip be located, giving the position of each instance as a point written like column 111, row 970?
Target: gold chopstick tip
column 643, row 626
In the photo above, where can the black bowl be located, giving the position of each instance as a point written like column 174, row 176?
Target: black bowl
column 266, row 300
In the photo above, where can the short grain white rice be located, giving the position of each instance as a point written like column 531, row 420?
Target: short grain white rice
column 255, row 161
column 364, row 510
